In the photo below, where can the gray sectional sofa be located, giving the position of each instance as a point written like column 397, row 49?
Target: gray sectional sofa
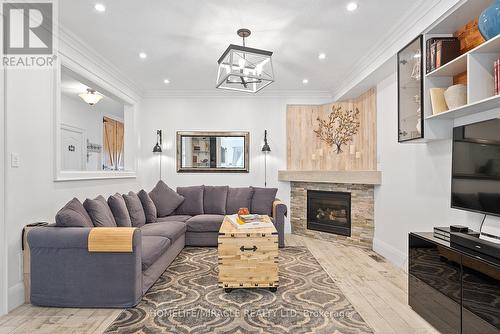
column 66, row 273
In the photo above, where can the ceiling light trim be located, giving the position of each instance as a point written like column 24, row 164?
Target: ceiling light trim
column 101, row 8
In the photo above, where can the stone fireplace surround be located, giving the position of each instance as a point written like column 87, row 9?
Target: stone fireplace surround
column 362, row 211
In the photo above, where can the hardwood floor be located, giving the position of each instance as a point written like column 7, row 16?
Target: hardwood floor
column 377, row 289
column 32, row 319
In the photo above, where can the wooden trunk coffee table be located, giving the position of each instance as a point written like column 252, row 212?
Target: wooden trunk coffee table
column 248, row 258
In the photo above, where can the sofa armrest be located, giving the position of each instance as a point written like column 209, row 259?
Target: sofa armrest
column 65, row 274
column 279, row 208
column 111, row 239
column 279, row 213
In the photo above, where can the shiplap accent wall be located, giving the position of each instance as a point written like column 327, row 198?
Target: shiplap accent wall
column 306, row 152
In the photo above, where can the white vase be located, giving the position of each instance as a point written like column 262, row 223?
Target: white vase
column 456, row 96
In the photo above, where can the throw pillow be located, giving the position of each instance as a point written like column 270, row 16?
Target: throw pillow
column 99, row 212
column 73, row 214
column 238, row 198
column 262, row 200
column 165, row 199
column 214, row 200
column 135, row 209
column 149, row 206
column 119, row 209
column 193, row 200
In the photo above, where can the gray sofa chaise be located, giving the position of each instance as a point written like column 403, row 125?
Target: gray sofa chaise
column 66, row 272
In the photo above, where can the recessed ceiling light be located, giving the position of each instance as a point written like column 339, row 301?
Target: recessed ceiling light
column 322, row 56
column 143, row 55
column 166, row 81
column 352, row 6
column 100, row 7
column 305, row 81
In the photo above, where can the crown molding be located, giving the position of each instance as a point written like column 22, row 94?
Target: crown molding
column 417, row 19
column 72, row 47
column 219, row 93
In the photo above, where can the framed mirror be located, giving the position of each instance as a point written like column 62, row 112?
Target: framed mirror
column 219, row 152
column 410, row 90
column 93, row 128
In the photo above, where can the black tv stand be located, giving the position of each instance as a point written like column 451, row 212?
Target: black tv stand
column 454, row 290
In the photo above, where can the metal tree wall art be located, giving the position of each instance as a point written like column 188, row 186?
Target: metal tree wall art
column 339, row 128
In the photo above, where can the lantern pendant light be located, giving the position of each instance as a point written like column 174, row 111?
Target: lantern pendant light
column 245, row 69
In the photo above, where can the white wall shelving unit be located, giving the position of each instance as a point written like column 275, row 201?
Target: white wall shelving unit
column 478, row 63
column 480, row 80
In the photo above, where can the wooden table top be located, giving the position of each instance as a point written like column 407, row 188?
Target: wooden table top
column 228, row 228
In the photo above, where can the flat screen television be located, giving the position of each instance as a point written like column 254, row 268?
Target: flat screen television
column 475, row 184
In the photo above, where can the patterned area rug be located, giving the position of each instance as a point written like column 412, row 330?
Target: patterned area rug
column 186, row 299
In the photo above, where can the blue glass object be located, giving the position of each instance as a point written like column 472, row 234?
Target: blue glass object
column 489, row 21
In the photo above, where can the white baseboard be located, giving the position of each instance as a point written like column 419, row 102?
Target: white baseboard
column 392, row 254
column 16, row 296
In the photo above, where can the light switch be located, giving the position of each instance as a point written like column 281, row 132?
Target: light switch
column 15, row 160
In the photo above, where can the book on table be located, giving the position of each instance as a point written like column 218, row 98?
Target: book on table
column 249, row 221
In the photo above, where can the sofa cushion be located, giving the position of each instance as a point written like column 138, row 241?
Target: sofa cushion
column 204, row 223
column 174, row 218
column 119, row 209
column 73, row 214
column 148, row 206
column 99, row 212
column 135, row 209
column 238, row 198
column 170, row 230
column 165, row 199
column 152, row 248
column 193, row 200
column 214, row 200
column 262, row 200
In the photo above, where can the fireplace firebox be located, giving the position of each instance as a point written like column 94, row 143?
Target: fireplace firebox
column 329, row 211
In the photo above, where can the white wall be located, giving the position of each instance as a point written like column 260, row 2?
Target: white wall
column 3, row 248
column 32, row 194
column 416, row 181
column 254, row 114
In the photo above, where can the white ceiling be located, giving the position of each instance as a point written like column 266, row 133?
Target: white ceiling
column 183, row 39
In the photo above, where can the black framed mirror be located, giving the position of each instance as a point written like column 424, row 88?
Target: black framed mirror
column 219, row 152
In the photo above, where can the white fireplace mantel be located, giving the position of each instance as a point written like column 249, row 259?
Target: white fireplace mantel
column 350, row 177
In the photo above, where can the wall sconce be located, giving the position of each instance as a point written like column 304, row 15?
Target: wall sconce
column 157, row 148
column 266, row 149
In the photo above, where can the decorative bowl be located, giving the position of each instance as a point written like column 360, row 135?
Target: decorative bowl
column 456, row 96
column 243, row 211
column 489, row 21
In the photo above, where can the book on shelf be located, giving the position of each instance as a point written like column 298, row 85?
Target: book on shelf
column 249, row 223
column 439, row 51
column 497, row 76
column 438, row 103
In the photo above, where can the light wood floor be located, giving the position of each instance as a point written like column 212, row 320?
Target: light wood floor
column 377, row 289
